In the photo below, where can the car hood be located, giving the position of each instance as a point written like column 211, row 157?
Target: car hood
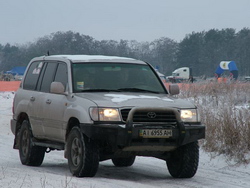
column 132, row 99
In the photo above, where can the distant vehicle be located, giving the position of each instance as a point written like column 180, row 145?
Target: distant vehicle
column 183, row 74
column 10, row 77
column 7, row 77
column 247, row 78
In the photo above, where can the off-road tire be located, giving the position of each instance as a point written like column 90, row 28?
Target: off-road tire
column 29, row 154
column 123, row 162
column 83, row 155
column 183, row 162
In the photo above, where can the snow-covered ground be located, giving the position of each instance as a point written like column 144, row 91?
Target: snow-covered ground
column 145, row 173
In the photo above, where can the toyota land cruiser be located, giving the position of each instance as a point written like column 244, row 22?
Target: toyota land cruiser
column 97, row 108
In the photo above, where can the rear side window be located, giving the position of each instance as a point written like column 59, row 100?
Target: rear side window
column 32, row 75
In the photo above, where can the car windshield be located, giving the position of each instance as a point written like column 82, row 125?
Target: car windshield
column 118, row 77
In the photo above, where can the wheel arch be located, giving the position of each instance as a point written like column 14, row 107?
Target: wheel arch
column 73, row 121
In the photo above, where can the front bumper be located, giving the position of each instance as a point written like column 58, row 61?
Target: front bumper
column 128, row 138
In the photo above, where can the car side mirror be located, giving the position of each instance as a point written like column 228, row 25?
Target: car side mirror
column 57, row 87
column 174, row 89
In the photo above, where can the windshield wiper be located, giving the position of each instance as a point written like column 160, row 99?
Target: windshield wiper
column 100, row 90
column 120, row 90
column 137, row 90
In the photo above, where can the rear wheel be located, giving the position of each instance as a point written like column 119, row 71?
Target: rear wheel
column 83, row 156
column 29, row 154
column 183, row 162
column 123, row 161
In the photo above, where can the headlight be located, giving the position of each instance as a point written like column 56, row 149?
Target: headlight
column 190, row 115
column 105, row 114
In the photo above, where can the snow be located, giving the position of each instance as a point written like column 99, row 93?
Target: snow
column 146, row 172
column 121, row 97
column 91, row 57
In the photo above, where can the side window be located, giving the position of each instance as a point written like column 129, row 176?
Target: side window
column 62, row 74
column 48, row 77
column 32, row 76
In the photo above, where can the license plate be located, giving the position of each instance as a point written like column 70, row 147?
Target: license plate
column 155, row 133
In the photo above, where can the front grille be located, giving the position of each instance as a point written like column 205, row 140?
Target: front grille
column 143, row 116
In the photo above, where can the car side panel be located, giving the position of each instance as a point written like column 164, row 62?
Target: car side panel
column 28, row 103
column 53, row 109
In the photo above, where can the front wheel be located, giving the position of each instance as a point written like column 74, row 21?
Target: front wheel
column 183, row 162
column 83, row 155
column 29, row 154
column 123, row 161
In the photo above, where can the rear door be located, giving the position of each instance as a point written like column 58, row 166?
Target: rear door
column 30, row 97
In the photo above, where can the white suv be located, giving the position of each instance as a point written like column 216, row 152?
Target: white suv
column 103, row 107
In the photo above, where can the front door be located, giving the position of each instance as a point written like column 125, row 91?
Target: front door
column 54, row 105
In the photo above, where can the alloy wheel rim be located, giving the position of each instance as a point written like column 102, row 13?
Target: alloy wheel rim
column 25, row 142
column 76, row 152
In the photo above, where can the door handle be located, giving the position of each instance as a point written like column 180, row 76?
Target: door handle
column 32, row 98
column 48, row 101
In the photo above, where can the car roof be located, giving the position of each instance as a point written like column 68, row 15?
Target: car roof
column 93, row 58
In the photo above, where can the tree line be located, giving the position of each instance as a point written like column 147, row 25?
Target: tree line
column 202, row 51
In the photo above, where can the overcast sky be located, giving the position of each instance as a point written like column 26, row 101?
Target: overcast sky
column 23, row 21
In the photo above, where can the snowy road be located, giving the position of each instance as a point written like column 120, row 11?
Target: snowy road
column 146, row 172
